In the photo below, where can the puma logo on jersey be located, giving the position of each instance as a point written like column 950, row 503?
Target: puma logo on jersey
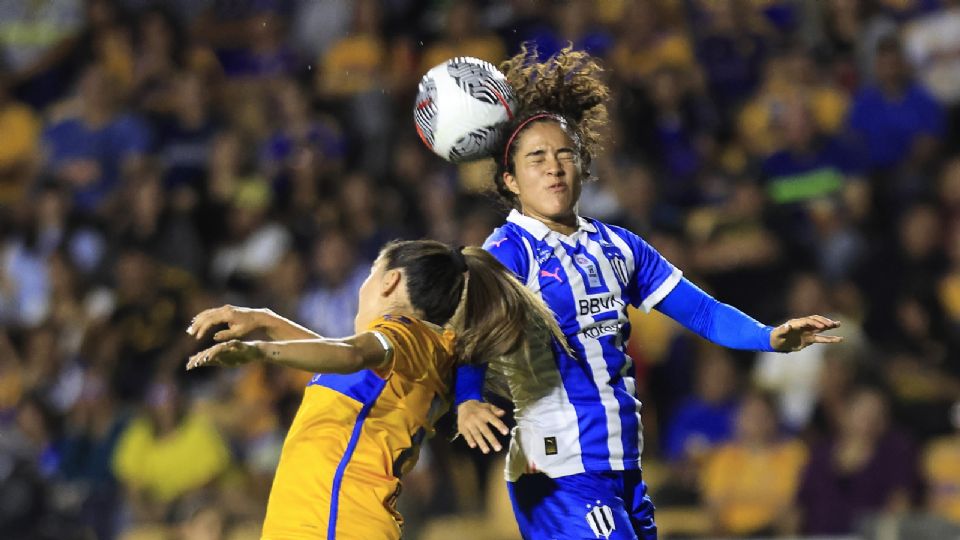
column 600, row 518
column 555, row 275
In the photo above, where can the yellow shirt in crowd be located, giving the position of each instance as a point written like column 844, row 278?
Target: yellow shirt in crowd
column 167, row 467
column 941, row 468
column 750, row 487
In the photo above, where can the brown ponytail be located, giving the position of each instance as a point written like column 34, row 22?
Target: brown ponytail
column 469, row 290
column 496, row 311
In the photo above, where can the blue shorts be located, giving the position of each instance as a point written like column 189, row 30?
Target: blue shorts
column 610, row 505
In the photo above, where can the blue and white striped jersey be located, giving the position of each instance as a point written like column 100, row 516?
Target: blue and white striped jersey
column 580, row 414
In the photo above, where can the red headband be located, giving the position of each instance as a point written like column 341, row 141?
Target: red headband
column 506, row 151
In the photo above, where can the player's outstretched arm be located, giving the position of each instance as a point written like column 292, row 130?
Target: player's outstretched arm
column 728, row 326
column 242, row 321
column 348, row 355
column 474, row 421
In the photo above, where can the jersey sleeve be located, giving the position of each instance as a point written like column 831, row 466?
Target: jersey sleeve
column 410, row 347
column 510, row 251
column 654, row 277
column 720, row 323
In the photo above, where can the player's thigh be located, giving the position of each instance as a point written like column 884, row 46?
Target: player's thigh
column 580, row 506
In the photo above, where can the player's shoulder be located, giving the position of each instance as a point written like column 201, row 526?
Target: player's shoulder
column 603, row 226
column 610, row 231
column 402, row 327
column 398, row 322
column 399, row 319
column 504, row 237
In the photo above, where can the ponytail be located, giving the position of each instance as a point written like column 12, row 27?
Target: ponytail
column 469, row 290
column 496, row 311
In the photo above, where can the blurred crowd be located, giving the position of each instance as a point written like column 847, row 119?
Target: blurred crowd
column 157, row 159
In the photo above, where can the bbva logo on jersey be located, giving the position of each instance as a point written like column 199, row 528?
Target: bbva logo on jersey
column 600, row 519
column 599, row 304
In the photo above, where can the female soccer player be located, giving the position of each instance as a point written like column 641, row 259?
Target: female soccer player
column 573, row 467
column 378, row 393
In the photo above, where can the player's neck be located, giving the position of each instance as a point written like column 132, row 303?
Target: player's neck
column 566, row 225
column 400, row 310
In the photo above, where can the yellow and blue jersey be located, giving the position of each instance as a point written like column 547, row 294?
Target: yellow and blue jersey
column 355, row 435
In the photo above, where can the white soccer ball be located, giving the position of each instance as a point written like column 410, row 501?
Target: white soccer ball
column 460, row 107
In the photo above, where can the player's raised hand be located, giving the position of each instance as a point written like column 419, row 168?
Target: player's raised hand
column 240, row 321
column 474, row 419
column 797, row 334
column 229, row 354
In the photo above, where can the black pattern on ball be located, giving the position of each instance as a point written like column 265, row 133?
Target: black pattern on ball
column 474, row 78
column 425, row 110
column 477, row 142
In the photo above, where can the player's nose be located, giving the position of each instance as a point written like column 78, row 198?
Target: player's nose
column 554, row 168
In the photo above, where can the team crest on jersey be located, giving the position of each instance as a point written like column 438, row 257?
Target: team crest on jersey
column 617, row 261
column 600, row 519
column 619, row 265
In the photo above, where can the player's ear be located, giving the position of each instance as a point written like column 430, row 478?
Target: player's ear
column 390, row 282
column 510, row 181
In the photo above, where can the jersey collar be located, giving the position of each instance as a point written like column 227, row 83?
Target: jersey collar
column 540, row 231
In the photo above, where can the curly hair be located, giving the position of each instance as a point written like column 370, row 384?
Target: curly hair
column 567, row 86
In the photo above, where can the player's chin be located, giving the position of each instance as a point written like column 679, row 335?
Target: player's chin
column 558, row 204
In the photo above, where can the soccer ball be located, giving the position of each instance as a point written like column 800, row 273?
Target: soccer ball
column 461, row 105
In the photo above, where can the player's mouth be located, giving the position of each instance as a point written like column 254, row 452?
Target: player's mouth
column 557, row 187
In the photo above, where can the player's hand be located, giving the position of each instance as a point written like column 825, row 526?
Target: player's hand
column 229, row 354
column 240, row 321
column 797, row 334
column 474, row 419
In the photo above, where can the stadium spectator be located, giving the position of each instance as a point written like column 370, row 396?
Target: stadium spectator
column 792, row 378
column 705, row 419
column 791, row 78
column 461, row 36
column 89, row 150
column 865, row 467
column 167, row 453
column 18, row 155
column 898, row 119
column 941, row 472
column 184, row 135
column 329, row 303
column 749, row 484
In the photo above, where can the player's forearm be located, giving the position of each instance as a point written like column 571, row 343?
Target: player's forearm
column 314, row 355
column 279, row 328
column 469, row 383
column 720, row 323
column 322, row 355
